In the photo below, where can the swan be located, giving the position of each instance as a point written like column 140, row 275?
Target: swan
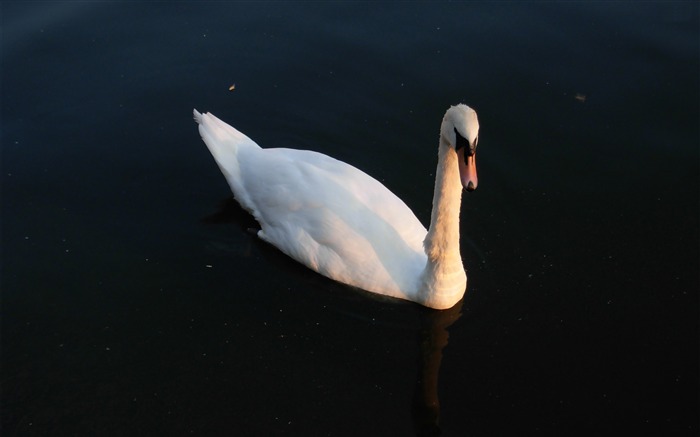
column 344, row 224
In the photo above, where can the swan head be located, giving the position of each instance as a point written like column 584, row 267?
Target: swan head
column 460, row 131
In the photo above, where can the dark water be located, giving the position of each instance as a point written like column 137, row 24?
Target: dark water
column 132, row 305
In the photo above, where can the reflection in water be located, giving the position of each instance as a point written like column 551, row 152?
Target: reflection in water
column 433, row 337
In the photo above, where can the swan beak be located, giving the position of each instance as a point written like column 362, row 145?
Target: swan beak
column 467, row 169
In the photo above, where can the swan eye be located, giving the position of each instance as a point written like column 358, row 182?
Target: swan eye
column 461, row 141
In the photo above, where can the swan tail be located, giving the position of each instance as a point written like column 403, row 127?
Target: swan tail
column 211, row 128
column 225, row 144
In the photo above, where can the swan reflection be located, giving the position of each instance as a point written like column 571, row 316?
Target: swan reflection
column 432, row 339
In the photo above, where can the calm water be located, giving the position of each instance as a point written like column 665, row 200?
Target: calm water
column 135, row 303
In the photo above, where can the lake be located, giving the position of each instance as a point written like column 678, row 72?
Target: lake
column 136, row 302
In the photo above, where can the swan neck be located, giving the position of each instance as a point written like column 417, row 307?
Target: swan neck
column 442, row 240
column 444, row 278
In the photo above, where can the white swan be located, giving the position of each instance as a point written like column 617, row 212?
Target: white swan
column 344, row 224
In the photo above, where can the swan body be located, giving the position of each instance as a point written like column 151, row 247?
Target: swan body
column 344, row 224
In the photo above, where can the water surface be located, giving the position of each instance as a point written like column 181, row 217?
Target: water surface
column 132, row 305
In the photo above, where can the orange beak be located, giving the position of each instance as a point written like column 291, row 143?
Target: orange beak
column 467, row 169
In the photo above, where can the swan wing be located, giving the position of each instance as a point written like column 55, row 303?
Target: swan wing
column 334, row 218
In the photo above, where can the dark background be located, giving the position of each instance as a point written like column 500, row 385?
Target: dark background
column 134, row 302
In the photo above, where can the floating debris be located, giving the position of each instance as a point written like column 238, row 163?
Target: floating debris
column 580, row 97
column 232, row 87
